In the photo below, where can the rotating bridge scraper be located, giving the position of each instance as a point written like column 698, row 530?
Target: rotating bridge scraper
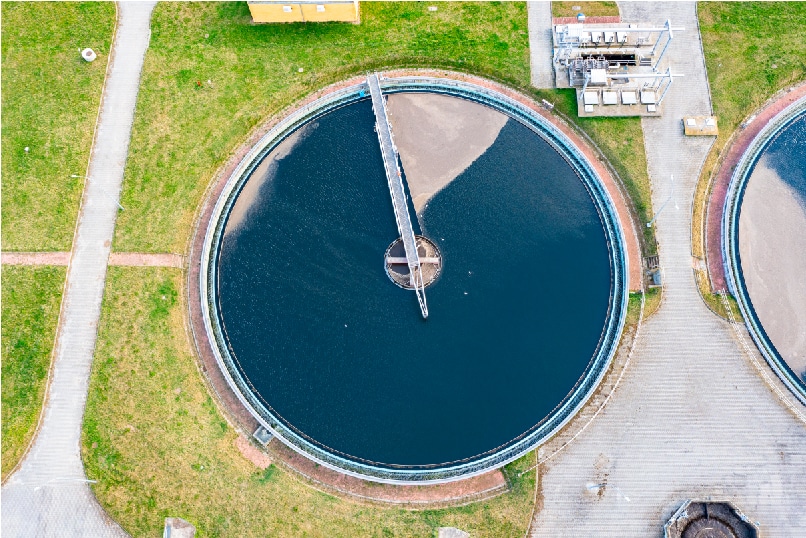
column 395, row 180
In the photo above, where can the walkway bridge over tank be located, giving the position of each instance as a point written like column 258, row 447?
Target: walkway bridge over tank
column 395, row 181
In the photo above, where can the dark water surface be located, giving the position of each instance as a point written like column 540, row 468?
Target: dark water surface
column 342, row 355
column 787, row 156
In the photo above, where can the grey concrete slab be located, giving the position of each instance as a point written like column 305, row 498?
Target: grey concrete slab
column 540, row 44
column 49, row 494
column 451, row 532
column 692, row 417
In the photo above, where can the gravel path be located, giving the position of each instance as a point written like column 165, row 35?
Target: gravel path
column 49, row 495
column 691, row 417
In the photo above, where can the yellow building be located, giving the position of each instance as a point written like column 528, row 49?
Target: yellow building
column 304, row 11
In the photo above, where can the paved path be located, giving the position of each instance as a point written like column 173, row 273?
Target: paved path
column 48, row 495
column 123, row 259
column 540, row 41
column 138, row 259
column 691, row 417
column 35, row 258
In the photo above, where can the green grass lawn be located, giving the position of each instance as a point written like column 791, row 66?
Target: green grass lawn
column 752, row 50
column 590, row 9
column 49, row 103
column 159, row 447
column 652, row 299
column 31, row 298
column 183, row 132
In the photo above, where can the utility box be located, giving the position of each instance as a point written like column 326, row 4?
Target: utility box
column 700, row 126
column 176, row 527
column 304, row 11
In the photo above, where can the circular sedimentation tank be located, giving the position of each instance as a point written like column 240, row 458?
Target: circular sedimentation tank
column 525, row 283
column 765, row 243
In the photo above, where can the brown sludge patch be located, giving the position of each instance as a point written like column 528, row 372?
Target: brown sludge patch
column 252, row 453
column 772, row 247
column 439, row 137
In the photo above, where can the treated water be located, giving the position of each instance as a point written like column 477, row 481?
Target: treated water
column 342, row 355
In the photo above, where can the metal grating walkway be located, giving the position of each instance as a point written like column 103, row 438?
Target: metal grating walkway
column 395, row 180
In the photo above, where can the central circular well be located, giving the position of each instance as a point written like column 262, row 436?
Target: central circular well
column 340, row 360
column 397, row 268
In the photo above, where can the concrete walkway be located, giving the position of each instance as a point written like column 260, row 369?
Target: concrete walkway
column 540, row 42
column 692, row 417
column 49, row 495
